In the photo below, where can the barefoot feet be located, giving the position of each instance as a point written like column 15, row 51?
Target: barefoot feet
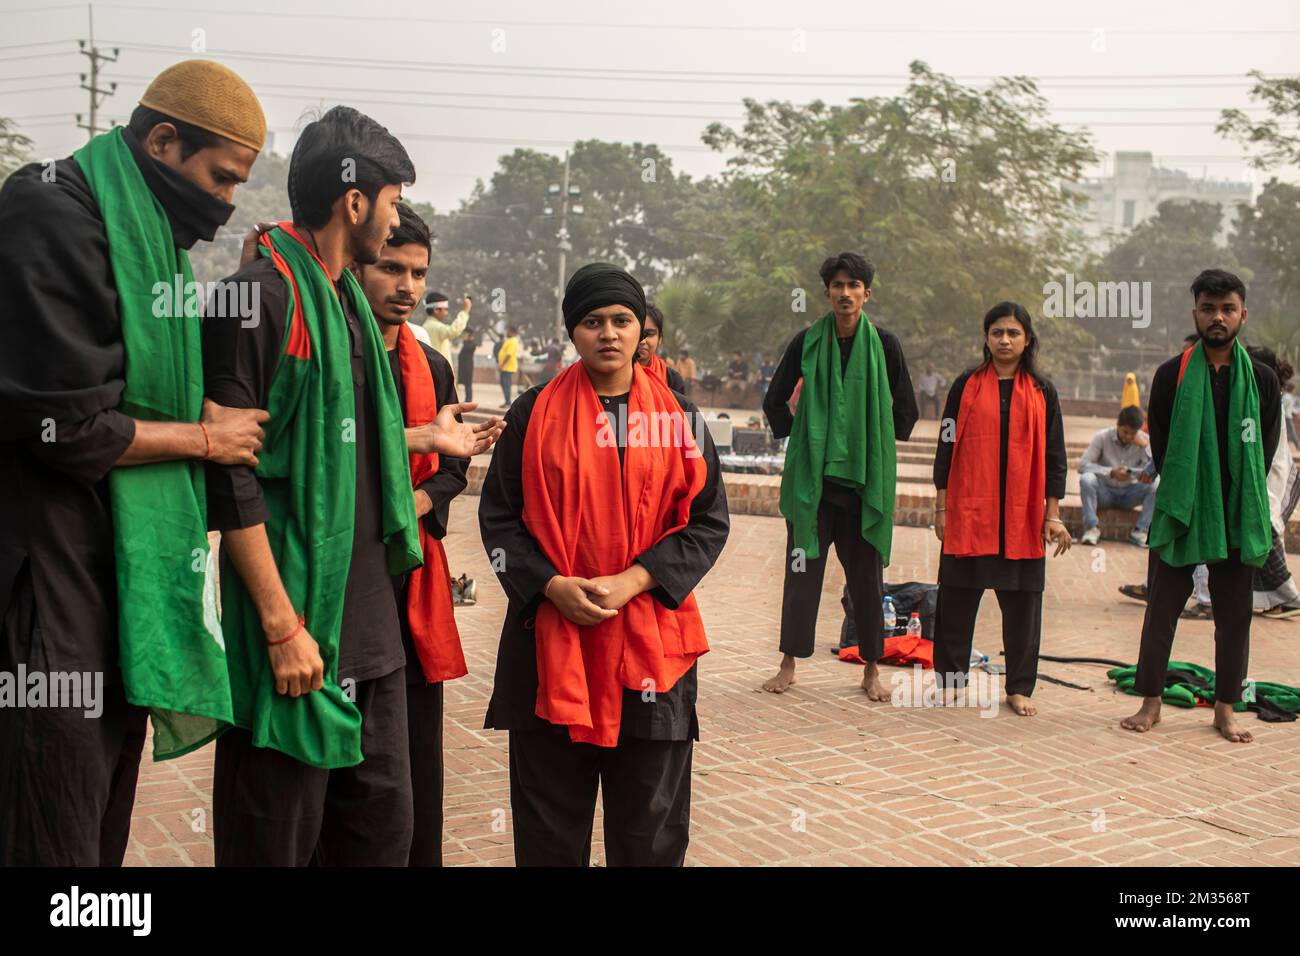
column 1225, row 721
column 1148, row 716
column 1022, row 705
column 783, row 679
column 871, row 683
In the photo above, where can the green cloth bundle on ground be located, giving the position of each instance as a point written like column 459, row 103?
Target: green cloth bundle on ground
column 1187, row 685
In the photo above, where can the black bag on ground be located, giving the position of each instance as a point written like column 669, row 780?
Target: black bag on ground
column 912, row 596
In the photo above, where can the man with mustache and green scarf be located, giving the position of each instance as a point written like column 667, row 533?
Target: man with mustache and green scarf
column 316, row 768
column 106, row 582
column 855, row 401
column 1215, row 420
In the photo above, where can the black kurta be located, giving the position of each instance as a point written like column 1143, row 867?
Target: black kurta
column 678, row 563
column 268, row 808
column 62, row 373
column 67, row 783
column 238, row 365
column 1160, row 411
column 994, row 570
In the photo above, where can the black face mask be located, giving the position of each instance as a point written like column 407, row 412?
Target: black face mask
column 193, row 213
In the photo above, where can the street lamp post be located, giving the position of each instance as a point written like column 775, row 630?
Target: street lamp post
column 565, row 194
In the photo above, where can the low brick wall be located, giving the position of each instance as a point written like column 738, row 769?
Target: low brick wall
column 761, row 495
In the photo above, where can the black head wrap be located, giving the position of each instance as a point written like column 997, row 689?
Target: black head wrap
column 597, row 285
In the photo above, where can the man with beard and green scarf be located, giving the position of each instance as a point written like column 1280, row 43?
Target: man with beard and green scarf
column 106, row 582
column 316, row 768
column 854, row 401
column 1215, row 422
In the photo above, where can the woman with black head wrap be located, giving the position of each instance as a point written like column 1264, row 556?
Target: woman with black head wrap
column 601, row 511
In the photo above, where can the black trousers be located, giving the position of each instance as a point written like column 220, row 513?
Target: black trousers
column 647, row 798
column 67, row 780
column 841, row 526
column 467, row 383
column 424, row 731
column 1022, row 631
column 269, row 809
column 1232, row 595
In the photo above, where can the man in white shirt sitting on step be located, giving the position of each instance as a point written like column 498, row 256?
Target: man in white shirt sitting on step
column 1114, row 472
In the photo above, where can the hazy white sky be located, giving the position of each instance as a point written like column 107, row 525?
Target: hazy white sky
column 462, row 83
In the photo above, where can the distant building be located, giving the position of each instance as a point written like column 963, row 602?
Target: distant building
column 1118, row 202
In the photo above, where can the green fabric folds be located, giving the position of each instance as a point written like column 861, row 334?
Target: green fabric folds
column 843, row 431
column 1200, row 689
column 173, row 658
column 308, row 474
column 1190, row 525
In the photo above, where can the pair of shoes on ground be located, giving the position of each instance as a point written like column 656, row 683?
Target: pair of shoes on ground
column 1198, row 612
column 1282, row 612
column 1137, row 537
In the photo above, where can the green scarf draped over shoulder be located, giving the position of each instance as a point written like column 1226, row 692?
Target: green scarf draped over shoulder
column 172, row 655
column 843, row 430
column 1190, row 525
column 307, row 469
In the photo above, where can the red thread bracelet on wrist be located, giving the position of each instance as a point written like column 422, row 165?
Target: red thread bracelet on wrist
column 302, row 622
column 207, row 440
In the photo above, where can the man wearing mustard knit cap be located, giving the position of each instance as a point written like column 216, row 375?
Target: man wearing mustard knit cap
column 107, row 589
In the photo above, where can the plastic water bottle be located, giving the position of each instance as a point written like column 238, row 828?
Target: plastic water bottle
column 914, row 625
column 891, row 617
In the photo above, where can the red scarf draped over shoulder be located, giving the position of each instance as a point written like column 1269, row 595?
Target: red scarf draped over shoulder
column 973, row 501
column 657, row 367
column 592, row 519
column 428, row 595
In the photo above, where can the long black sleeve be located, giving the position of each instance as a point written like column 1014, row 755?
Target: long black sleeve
column 776, row 402
column 1270, row 411
column 906, row 411
column 62, row 358
column 513, row 553
column 1160, row 409
column 948, row 431
column 681, row 560
column 238, row 365
column 450, row 478
column 1058, row 466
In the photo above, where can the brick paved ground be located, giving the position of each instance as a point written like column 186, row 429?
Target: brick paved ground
column 821, row 776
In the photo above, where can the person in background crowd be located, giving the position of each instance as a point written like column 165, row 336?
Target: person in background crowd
column 1113, row 473
column 928, row 388
column 465, row 362
column 441, row 330
column 508, row 362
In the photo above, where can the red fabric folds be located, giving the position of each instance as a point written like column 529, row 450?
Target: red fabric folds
column 973, row 500
column 429, row 610
column 591, row 520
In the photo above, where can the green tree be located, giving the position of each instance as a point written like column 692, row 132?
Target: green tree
column 1168, row 250
column 501, row 247
column 956, row 194
column 1280, row 147
column 1266, row 242
column 13, row 148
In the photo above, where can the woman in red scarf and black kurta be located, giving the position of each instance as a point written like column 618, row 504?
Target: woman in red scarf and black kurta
column 647, row 353
column 601, row 511
column 1000, row 475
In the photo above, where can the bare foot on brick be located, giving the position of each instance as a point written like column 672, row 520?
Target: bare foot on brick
column 1148, row 716
column 1022, row 705
column 783, row 679
column 871, row 683
column 1225, row 721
